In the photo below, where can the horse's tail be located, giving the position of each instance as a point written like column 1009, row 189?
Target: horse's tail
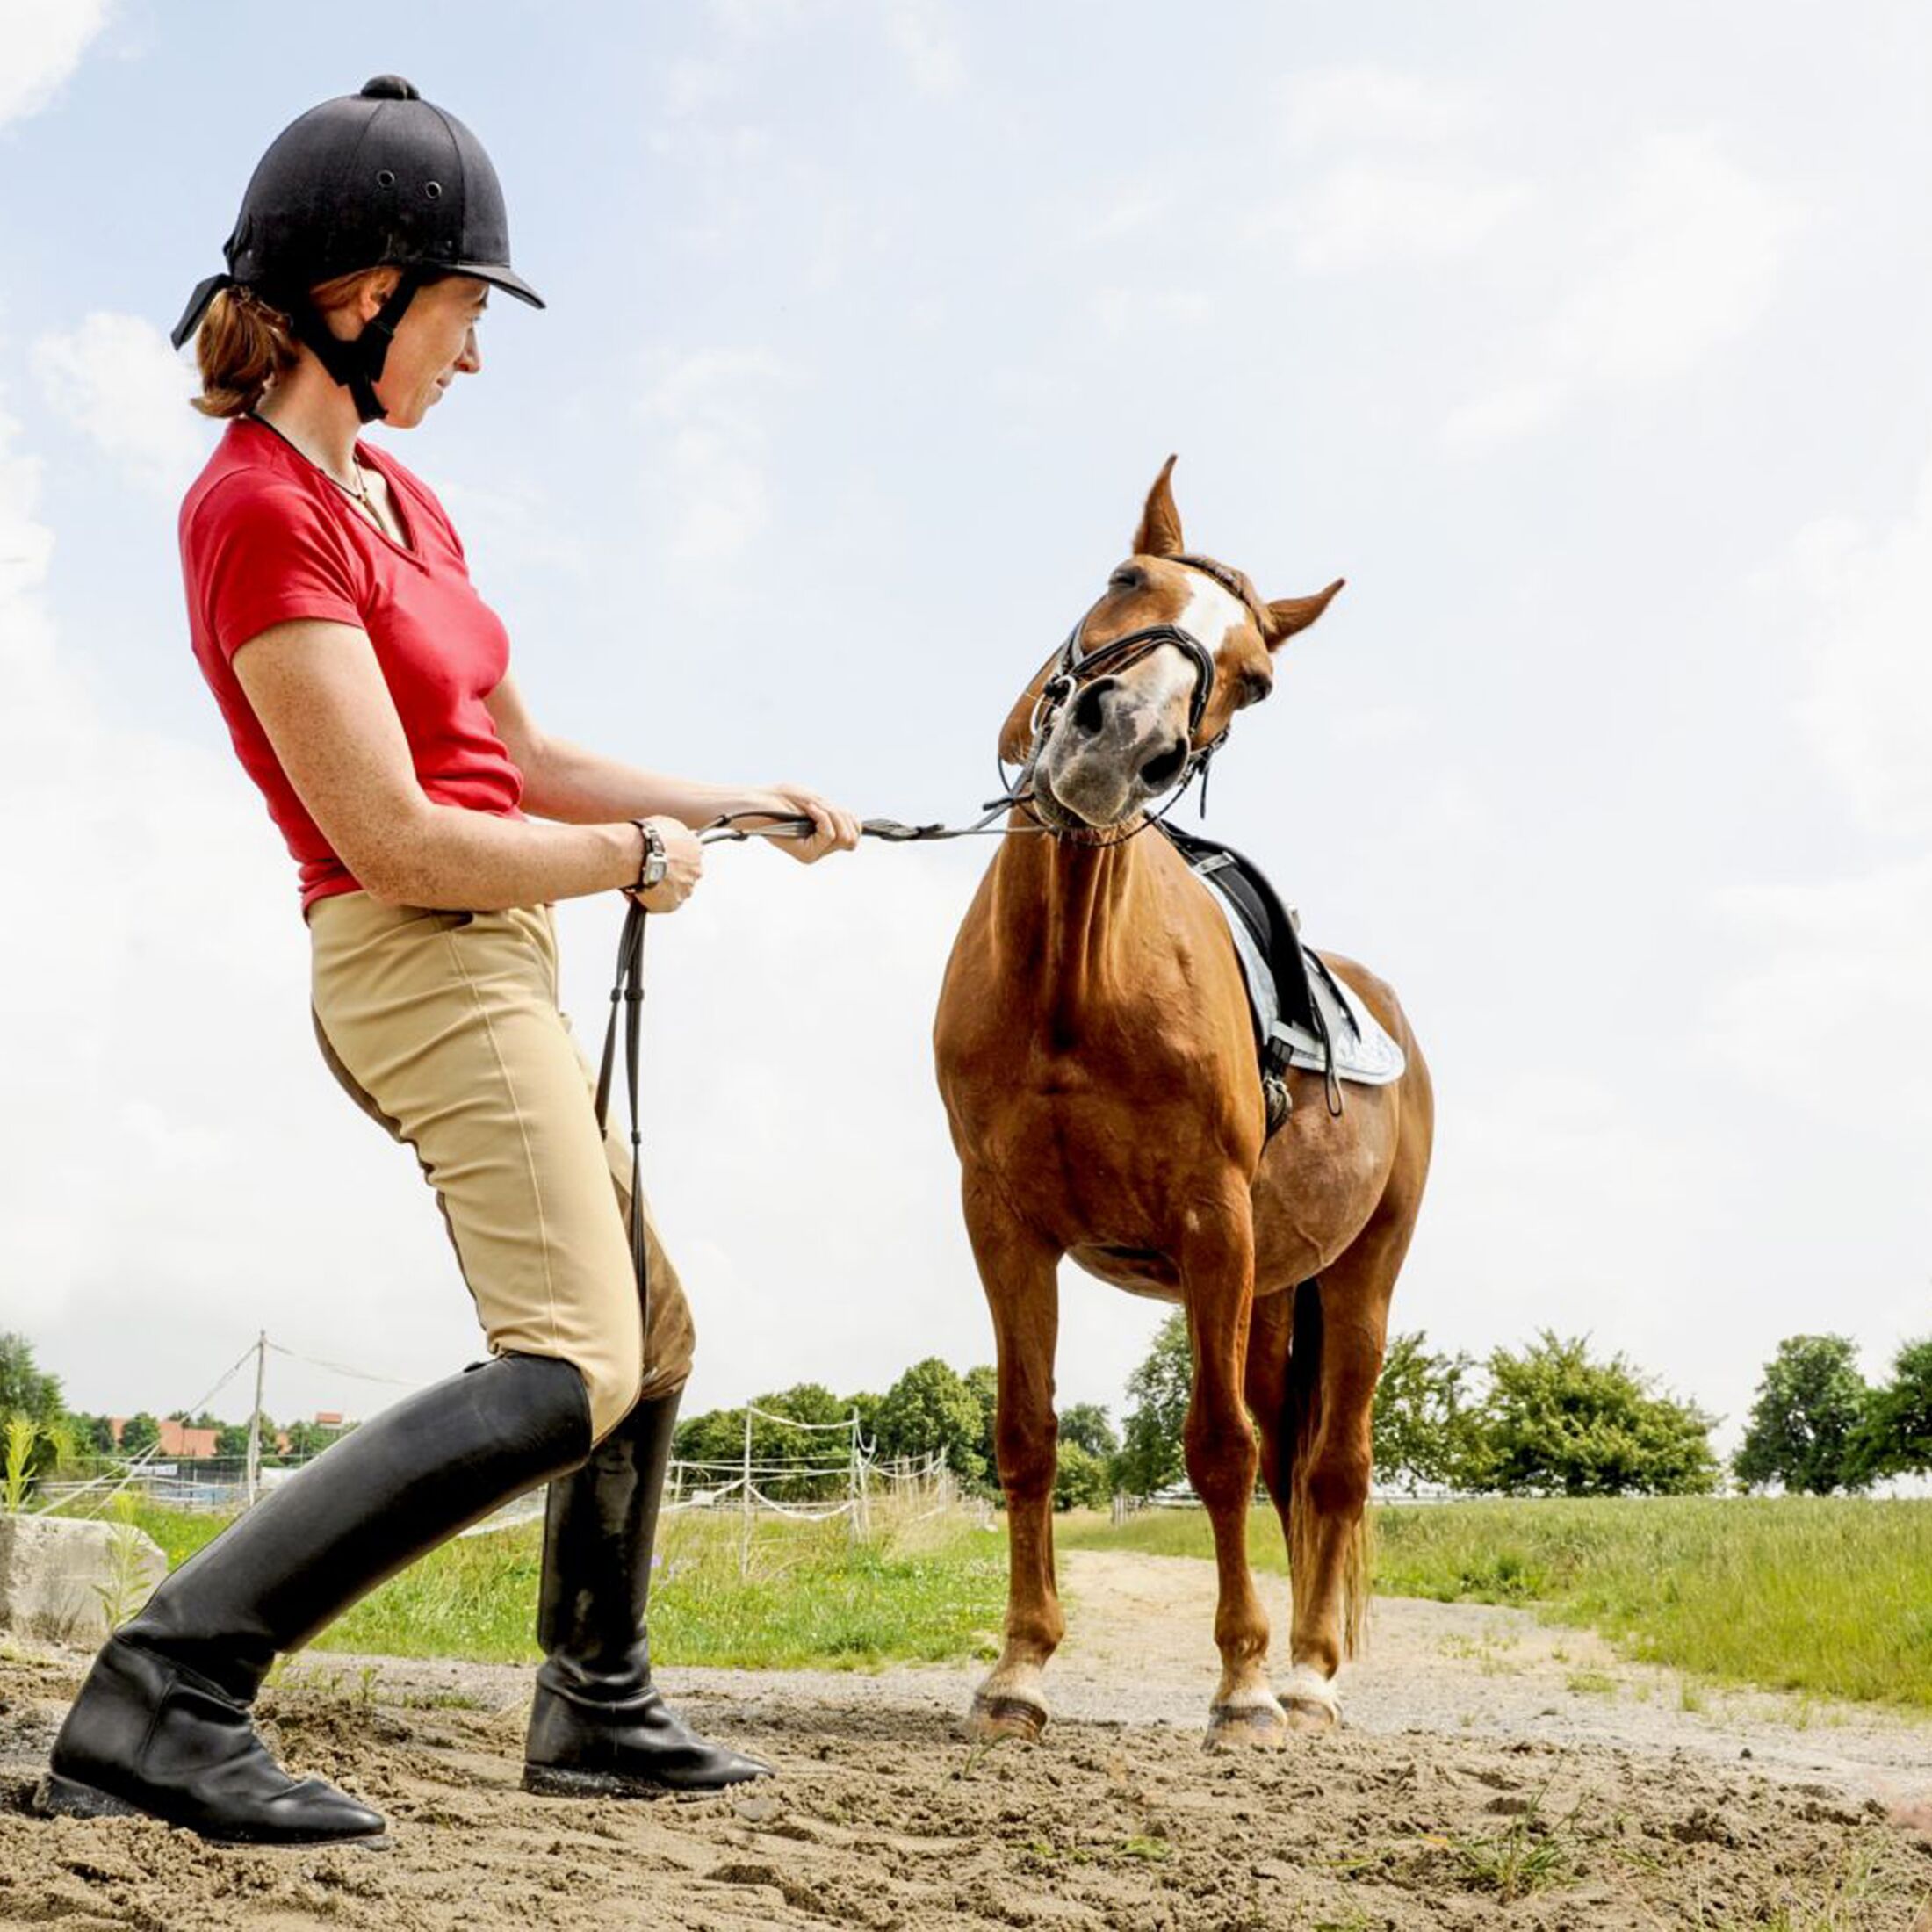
column 1303, row 1419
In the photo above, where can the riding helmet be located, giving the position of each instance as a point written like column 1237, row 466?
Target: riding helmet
column 379, row 178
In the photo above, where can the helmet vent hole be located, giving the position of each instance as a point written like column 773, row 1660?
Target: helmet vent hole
column 385, row 177
column 433, row 189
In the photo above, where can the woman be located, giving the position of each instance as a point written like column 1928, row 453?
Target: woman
column 365, row 686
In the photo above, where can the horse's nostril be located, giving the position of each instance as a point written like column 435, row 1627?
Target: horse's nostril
column 1088, row 713
column 1159, row 772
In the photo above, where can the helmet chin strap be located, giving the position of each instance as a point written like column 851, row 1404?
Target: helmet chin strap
column 357, row 363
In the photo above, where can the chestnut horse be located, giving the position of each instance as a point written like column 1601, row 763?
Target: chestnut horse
column 1099, row 1071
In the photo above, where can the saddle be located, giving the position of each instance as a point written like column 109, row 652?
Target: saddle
column 1304, row 1014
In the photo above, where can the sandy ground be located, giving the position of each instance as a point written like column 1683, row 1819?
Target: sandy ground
column 1493, row 1773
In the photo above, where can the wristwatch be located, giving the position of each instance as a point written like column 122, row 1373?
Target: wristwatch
column 656, row 861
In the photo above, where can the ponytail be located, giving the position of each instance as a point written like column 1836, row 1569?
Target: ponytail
column 241, row 346
column 245, row 342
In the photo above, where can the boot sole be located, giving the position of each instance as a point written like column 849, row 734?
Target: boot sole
column 550, row 1781
column 554, row 1781
column 58, row 1797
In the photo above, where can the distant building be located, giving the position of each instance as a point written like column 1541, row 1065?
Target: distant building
column 176, row 1439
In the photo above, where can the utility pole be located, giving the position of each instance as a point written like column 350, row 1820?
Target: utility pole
column 254, row 1415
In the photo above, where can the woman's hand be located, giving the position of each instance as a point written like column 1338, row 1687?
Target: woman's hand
column 684, row 861
column 835, row 829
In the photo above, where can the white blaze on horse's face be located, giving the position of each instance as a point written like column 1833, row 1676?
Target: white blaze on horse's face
column 1122, row 740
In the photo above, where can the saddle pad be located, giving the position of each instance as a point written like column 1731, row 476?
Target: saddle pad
column 1296, row 1001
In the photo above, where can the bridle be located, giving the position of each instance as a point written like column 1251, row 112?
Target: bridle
column 1076, row 668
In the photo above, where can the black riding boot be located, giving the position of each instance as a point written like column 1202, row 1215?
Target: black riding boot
column 598, row 1728
column 162, row 1723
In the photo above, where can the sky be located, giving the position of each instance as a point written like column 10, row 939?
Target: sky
column 1590, row 345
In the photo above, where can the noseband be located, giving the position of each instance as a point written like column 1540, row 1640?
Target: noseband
column 1076, row 668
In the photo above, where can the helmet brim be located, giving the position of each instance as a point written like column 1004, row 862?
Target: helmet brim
column 500, row 275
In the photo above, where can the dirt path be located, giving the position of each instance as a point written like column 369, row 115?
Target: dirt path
column 1495, row 1774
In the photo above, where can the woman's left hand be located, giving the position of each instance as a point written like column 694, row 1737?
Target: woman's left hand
column 835, row 829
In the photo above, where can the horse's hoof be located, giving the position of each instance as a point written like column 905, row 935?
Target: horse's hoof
column 1246, row 1728
column 993, row 1719
column 1310, row 1714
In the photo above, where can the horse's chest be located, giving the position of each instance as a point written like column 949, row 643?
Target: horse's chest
column 1066, row 1149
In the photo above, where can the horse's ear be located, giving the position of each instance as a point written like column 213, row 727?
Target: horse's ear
column 1293, row 614
column 1159, row 534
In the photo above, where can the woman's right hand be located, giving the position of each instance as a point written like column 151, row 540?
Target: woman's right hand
column 684, row 859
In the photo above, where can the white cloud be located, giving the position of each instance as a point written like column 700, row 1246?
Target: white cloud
column 1364, row 216
column 43, row 41
column 1329, row 106
column 709, row 479
column 1869, row 710
column 1838, row 978
column 1120, row 310
column 1690, row 251
column 924, row 35
column 1685, row 257
column 115, row 380
column 1506, row 413
column 1132, row 212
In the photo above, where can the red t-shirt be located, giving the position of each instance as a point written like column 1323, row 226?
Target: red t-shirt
column 266, row 538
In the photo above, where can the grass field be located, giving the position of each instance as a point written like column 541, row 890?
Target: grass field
column 1827, row 1596
column 1823, row 1597
column 925, row 1591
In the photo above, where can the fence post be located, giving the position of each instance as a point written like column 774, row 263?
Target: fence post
column 745, row 1551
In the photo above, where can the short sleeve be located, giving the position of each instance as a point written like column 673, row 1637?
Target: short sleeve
column 259, row 554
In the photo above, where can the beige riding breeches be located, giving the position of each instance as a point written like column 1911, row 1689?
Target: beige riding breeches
column 445, row 1027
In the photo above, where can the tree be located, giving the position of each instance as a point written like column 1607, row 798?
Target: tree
column 93, row 1434
column 983, row 1384
column 929, row 1408
column 1808, row 1406
column 1556, row 1422
column 1085, row 1426
column 1081, row 1479
column 1425, row 1422
column 1894, row 1438
column 139, row 1434
column 306, row 1440
column 1158, row 1391
column 233, row 1439
column 26, row 1388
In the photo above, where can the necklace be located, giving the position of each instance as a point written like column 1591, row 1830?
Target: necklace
column 359, row 494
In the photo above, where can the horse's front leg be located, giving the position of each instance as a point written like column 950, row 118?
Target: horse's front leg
column 1018, row 1272
column 1217, row 1276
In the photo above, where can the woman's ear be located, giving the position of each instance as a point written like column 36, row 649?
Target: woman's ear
column 375, row 290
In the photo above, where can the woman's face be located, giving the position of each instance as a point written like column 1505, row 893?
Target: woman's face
column 434, row 341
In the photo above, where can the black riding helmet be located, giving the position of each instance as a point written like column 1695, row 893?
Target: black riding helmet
column 378, row 179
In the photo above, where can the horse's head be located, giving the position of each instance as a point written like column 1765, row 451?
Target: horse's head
column 1151, row 676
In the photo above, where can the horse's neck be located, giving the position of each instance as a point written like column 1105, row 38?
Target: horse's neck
column 1063, row 911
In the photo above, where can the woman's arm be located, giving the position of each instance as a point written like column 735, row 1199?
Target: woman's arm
column 565, row 781
column 321, row 698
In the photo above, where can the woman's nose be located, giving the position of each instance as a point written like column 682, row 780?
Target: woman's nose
column 471, row 358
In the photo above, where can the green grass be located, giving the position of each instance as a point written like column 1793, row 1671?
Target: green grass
column 927, row 1592
column 1830, row 1597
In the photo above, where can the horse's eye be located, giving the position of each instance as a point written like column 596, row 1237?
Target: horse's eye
column 1126, row 578
column 1254, row 690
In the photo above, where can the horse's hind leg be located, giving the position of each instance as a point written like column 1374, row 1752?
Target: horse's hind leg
column 1336, row 1355
column 1018, row 1273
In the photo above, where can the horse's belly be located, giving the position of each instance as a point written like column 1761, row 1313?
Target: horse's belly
column 1140, row 1271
